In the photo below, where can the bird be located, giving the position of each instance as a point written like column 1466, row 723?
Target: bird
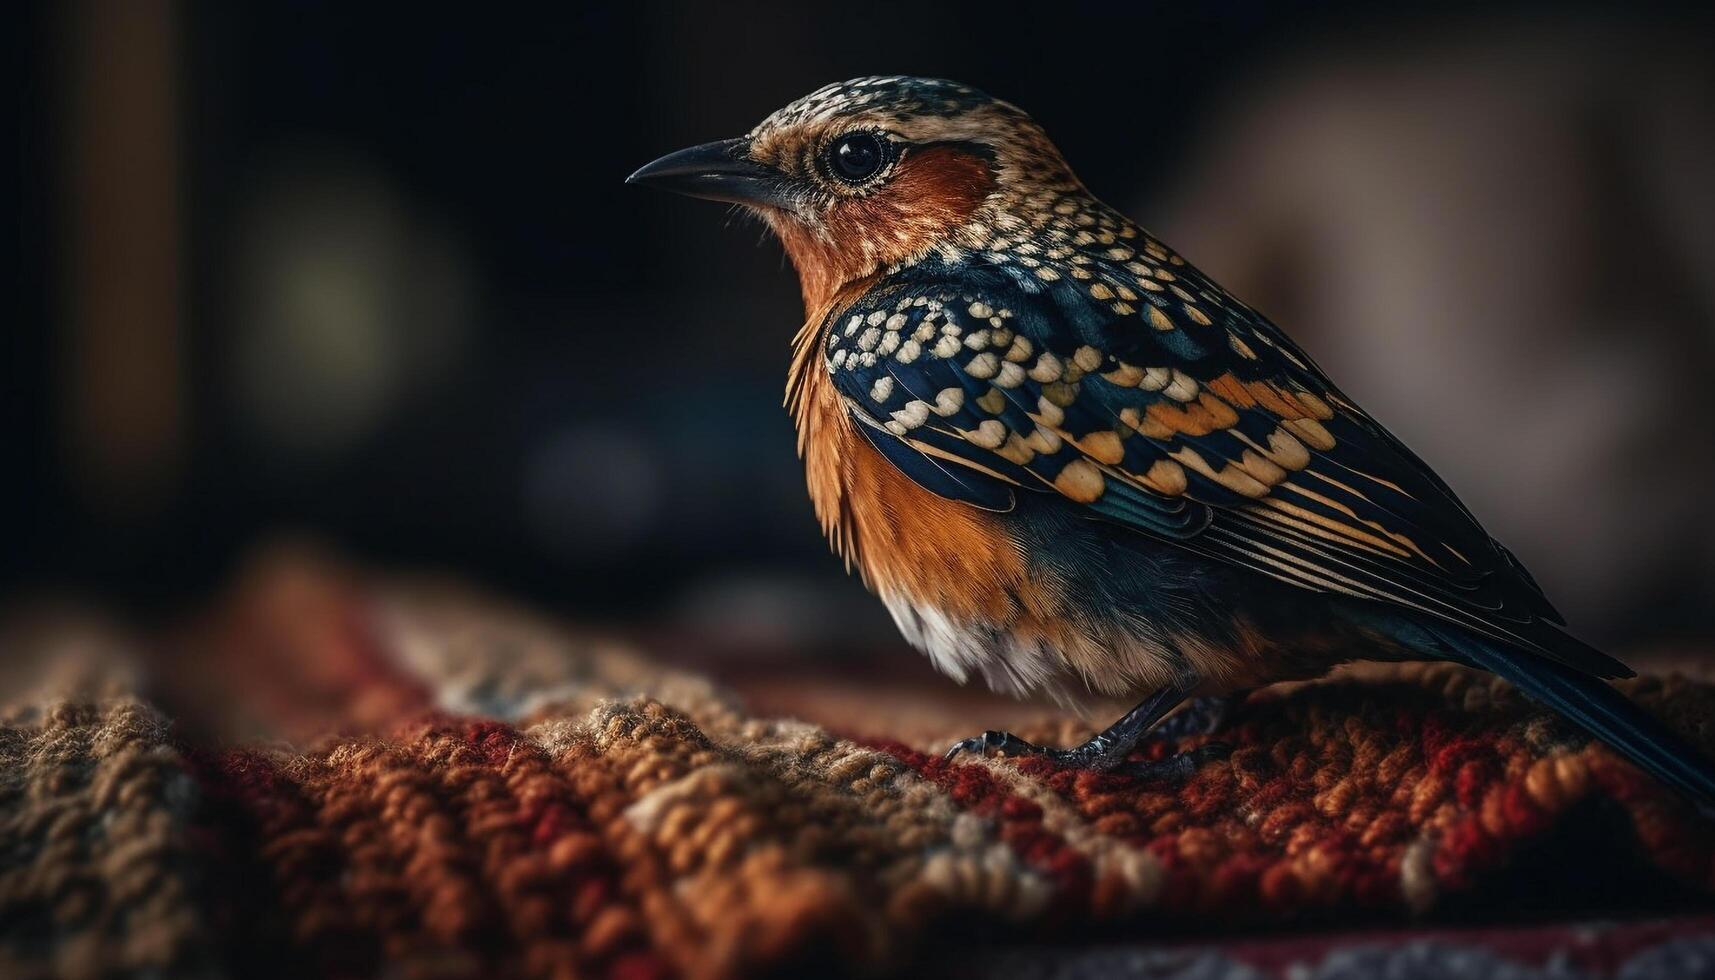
column 1072, row 464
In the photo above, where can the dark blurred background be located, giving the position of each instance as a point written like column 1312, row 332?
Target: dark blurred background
column 369, row 275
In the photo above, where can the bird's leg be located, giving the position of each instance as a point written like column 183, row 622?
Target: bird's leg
column 1106, row 750
column 1201, row 716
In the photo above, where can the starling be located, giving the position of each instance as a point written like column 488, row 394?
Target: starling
column 1068, row 461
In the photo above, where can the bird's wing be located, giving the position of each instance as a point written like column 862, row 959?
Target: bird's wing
column 1128, row 383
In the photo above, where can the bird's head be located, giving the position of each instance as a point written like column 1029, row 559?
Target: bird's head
column 877, row 173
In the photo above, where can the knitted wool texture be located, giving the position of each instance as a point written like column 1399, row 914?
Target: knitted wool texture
column 494, row 795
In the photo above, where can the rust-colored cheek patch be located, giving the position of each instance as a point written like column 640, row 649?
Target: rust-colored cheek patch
column 944, row 181
column 933, row 192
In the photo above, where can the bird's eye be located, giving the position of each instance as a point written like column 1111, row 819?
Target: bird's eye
column 856, row 157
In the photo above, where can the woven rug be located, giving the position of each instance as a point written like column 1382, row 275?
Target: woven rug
column 342, row 776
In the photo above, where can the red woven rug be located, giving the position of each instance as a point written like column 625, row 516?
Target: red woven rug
column 340, row 777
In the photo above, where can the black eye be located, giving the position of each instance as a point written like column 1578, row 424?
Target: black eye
column 856, row 157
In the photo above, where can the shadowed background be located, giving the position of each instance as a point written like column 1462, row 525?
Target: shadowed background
column 370, row 276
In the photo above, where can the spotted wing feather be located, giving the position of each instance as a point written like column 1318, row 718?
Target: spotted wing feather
column 1125, row 381
column 917, row 366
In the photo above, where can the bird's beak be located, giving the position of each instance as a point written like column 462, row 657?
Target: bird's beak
column 719, row 171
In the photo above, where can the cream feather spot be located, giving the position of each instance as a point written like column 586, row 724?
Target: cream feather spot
column 1103, row 447
column 1182, row 388
column 1265, row 471
column 914, row 414
column 1315, row 404
column 1060, row 393
column 989, row 435
column 1044, row 440
column 1017, row 450
column 1081, row 481
column 1166, row 476
column 949, row 401
column 1287, row 451
column 1126, row 375
column 984, row 366
column 1311, row 433
column 1048, row 412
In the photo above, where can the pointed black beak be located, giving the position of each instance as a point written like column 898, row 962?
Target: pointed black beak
column 718, row 171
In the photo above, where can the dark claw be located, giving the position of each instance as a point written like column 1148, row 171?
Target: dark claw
column 973, row 744
column 1006, row 743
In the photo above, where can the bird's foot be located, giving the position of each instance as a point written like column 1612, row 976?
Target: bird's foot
column 1094, row 754
column 1088, row 756
column 1177, row 767
column 1200, row 716
column 1006, row 743
column 1106, row 750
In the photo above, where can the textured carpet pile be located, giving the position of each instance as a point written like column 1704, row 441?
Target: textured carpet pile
column 348, row 778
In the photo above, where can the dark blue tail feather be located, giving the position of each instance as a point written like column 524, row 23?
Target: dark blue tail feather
column 1588, row 701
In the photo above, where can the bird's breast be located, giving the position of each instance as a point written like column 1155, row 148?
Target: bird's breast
column 904, row 540
column 954, row 579
column 957, row 579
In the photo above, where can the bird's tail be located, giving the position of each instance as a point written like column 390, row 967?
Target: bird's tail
column 1586, row 700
